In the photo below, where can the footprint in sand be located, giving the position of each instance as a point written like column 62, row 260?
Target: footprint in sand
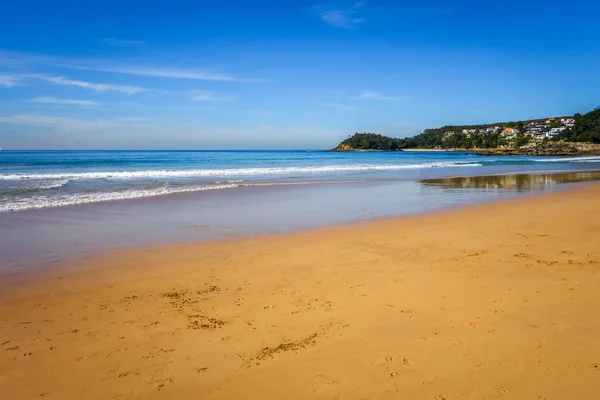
column 328, row 379
column 523, row 255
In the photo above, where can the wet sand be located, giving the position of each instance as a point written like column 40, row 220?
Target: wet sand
column 33, row 238
column 489, row 301
column 517, row 182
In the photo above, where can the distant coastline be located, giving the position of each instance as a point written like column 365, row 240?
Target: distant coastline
column 558, row 149
column 435, row 150
column 554, row 136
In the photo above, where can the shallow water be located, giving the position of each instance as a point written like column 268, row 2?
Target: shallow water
column 65, row 204
column 37, row 237
column 516, row 182
column 50, row 179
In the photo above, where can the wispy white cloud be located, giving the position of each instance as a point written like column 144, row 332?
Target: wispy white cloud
column 55, row 100
column 98, row 87
column 123, row 42
column 9, row 81
column 341, row 18
column 12, row 58
column 347, row 107
column 207, row 95
column 372, row 95
column 136, row 119
column 54, row 122
column 164, row 73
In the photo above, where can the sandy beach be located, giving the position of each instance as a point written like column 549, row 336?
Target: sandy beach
column 495, row 301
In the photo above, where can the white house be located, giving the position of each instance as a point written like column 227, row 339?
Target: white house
column 554, row 131
column 569, row 122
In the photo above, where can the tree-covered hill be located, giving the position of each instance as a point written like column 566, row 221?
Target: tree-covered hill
column 435, row 138
column 512, row 134
column 586, row 129
column 369, row 141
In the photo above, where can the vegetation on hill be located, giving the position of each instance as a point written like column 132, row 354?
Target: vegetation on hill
column 586, row 129
column 369, row 141
column 430, row 138
column 505, row 135
column 434, row 138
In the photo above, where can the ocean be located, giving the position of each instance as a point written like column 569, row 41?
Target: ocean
column 50, row 179
column 57, row 205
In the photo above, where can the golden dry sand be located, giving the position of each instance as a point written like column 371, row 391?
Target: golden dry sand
column 499, row 301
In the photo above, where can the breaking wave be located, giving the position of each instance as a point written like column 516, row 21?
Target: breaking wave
column 44, row 185
column 234, row 171
column 43, row 201
column 571, row 159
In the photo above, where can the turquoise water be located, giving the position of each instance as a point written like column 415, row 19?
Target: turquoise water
column 49, row 179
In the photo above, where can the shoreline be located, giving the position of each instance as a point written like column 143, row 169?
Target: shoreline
column 34, row 240
column 436, row 150
column 370, row 309
column 61, row 186
column 68, row 266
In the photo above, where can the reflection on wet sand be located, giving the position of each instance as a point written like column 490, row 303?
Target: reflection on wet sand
column 517, row 182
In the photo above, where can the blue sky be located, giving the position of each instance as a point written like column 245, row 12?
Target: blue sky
column 284, row 74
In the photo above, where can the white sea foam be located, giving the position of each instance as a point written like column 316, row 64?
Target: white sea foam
column 233, row 172
column 302, row 183
column 46, row 184
column 44, row 201
column 230, row 181
column 571, row 159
